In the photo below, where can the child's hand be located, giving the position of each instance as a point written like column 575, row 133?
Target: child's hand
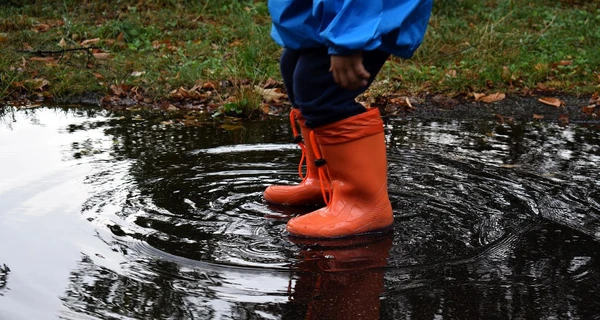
column 349, row 71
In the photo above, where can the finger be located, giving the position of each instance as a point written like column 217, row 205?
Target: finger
column 336, row 76
column 342, row 81
column 360, row 70
column 352, row 79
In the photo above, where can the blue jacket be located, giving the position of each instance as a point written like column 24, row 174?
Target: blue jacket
column 345, row 26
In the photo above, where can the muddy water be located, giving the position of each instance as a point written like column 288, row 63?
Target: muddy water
column 115, row 216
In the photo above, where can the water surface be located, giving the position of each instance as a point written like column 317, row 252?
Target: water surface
column 110, row 215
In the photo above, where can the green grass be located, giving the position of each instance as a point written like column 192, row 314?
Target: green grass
column 161, row 45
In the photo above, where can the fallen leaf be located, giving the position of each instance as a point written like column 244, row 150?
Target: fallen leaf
column 589, row 109
column 43, row 59
column 493, row 97
column 563, row 120
column 538, row 116
column 409, row 104
column 208, row 85
column 88, row 42
column 270, row 95
column 478, row 96
column 595, row 99
column 266, row 108
column 98, row 76
column 444, row 101
column 499, row 117
column 37, row 83
column 231, row 127
column 555, row 102
column 41, row 27
column 119, row 89
column 451, row 73
column 272, row 83
column 102, row 55
column 137, row 73
column 62, row 43
column 3, row 38
column 563, row 63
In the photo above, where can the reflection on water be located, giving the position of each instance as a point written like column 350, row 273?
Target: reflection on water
column 492, row 221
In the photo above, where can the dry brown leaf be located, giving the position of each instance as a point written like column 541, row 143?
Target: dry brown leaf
column 41, row 27
column 266, row 108
column 37, row 83
column 588, row 109
column 232, row 127
column 102, row 55
column 270, row 95
column 3, row 38
column 89, row 42
column 272, row 83
column 595, row 99
column 563, row 120
column 538, row 116
column 494, row 97
column 43, row 59
column 98, row 76
column 410, row 106
column 478, row 96
column 499, row 117
column 62, row 43
column 208, row 85
column 555, row 102
column 119, row 89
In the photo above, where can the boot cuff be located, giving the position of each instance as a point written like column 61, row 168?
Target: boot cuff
column 356, row 127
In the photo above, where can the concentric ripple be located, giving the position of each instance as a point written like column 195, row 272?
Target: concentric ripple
column 491, row 221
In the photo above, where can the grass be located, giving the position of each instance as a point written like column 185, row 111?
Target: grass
column 155, row 47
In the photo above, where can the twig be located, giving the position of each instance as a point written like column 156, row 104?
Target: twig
column 42, row 52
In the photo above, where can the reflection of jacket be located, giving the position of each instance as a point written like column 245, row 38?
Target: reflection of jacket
column 394, row 26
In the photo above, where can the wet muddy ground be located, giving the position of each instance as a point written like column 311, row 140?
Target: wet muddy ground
column 109, row 215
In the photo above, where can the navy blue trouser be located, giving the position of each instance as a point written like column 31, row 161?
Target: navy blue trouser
column 312, row 89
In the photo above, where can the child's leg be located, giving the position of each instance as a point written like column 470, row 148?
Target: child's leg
column 307, row 192
column 320, row 99
column 349, row 145
column 287, row 66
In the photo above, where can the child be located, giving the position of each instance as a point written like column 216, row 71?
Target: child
column 333, row 49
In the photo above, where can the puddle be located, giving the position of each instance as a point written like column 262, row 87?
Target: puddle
column 112, row 217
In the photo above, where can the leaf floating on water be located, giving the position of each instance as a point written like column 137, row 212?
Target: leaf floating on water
column 555, row 102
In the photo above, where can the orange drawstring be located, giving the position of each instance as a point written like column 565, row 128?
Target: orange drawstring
column 324, row 179
column 300, row 141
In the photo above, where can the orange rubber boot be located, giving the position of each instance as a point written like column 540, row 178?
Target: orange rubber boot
column 354, row 159
column 307, row 192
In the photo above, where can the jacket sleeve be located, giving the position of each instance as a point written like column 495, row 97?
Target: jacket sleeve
column 351, row 25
